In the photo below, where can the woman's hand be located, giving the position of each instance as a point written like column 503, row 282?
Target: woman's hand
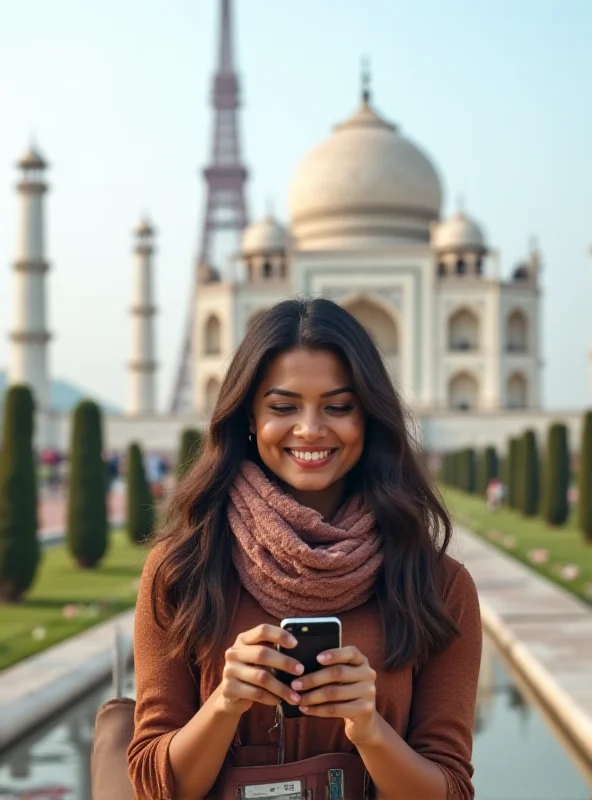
column 248, row 677
column 345, row 689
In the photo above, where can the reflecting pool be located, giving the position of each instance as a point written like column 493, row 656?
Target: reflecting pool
column 516, row 756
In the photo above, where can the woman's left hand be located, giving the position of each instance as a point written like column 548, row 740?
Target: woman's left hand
column 345, row 688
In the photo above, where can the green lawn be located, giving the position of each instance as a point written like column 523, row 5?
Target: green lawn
column 519, row 536
column 39, row 621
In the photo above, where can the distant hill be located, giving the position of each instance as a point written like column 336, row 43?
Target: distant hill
column 65, row 396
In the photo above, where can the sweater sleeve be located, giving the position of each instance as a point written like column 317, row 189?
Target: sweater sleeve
column 445, row 691
column 166, row 696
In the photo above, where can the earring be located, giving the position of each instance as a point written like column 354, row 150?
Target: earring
column 250, row 437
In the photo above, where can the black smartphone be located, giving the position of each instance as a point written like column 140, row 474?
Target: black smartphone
column 314, row 635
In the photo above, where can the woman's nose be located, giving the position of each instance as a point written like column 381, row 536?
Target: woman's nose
column 310, row 428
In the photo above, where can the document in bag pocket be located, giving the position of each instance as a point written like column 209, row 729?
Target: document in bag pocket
column 289, row 790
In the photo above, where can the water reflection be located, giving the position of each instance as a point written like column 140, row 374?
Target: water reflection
column 54, row 763
column 495, row 682
column 515, row 754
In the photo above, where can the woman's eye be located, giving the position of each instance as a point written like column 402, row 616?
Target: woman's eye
column 336, row 408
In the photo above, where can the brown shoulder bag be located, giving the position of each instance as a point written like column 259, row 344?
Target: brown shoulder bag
column 335, row 776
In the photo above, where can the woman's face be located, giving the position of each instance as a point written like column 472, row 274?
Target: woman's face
column 307, row 419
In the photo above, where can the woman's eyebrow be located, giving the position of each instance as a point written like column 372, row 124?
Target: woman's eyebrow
column 286, row 393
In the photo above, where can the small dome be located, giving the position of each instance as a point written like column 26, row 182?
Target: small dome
column 521, row 272
column 365, row 185
column 265, row 236
column 458, row 233
column 32, row 159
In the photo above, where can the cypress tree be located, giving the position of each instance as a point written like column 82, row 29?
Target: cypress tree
column 453, row 469
column 503, row 473
column 451, row 478
column 488, row 468
column 140, row 503
column 448, row 469
column 530, row 475
column 87, row 534
column 466, row 470
column 492, row 463
column 457, row 469
column 191, row 440
column 512, row 468
column 470, row 457
column 585, row 479
column 20, row 552
column 463, row 478
column 481, row 473
column 462, row 470
column 519, row 479
column 442, row 469
column 556, row 476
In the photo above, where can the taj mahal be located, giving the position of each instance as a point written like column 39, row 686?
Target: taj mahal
column 365, row 229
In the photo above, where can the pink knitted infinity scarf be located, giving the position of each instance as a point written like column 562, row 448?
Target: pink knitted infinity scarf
column 293, row 562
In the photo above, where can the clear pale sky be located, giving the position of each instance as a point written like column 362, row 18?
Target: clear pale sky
column 498, row 93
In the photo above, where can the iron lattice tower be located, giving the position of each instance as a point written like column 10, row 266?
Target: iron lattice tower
column 225, row 212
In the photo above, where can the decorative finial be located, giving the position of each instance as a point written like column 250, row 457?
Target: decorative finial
column 144, row 228
column 269, row 206
column 534, row 257
column 366, row 79
column 460, row 203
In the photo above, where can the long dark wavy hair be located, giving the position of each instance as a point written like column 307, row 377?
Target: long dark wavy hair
column 195, row 573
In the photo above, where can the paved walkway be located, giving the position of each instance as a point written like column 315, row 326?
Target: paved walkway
column 543, row 631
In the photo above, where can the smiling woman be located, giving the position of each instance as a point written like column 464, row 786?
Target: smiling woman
column 307, row 501
column 309, row 425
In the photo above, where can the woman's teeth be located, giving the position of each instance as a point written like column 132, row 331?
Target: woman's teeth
column 317, row 455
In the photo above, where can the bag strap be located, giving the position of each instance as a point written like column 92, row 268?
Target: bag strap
column 279, row 745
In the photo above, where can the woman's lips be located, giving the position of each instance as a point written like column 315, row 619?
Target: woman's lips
column 311, row 459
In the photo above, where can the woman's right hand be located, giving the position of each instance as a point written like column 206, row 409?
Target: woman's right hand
column 248, row 676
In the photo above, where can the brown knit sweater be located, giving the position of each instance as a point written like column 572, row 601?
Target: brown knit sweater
column 432, row 707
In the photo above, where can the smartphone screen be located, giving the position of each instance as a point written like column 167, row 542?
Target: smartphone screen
column 314, row 636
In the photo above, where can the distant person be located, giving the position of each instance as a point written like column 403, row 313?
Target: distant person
column 164, row 467
column 152, row 468
column 495, row 494
column 573, row 496
column 307, row 500
column 113, row 469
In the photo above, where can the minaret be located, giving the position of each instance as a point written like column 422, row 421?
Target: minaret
column 29, row 335
column 590, row 350
column 142, row 366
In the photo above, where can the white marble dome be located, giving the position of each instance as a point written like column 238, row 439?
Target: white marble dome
column 363, row 186
column 458, row 233
column 264, row 236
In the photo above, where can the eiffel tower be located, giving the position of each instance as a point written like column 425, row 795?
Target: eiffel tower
column 225, row 210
